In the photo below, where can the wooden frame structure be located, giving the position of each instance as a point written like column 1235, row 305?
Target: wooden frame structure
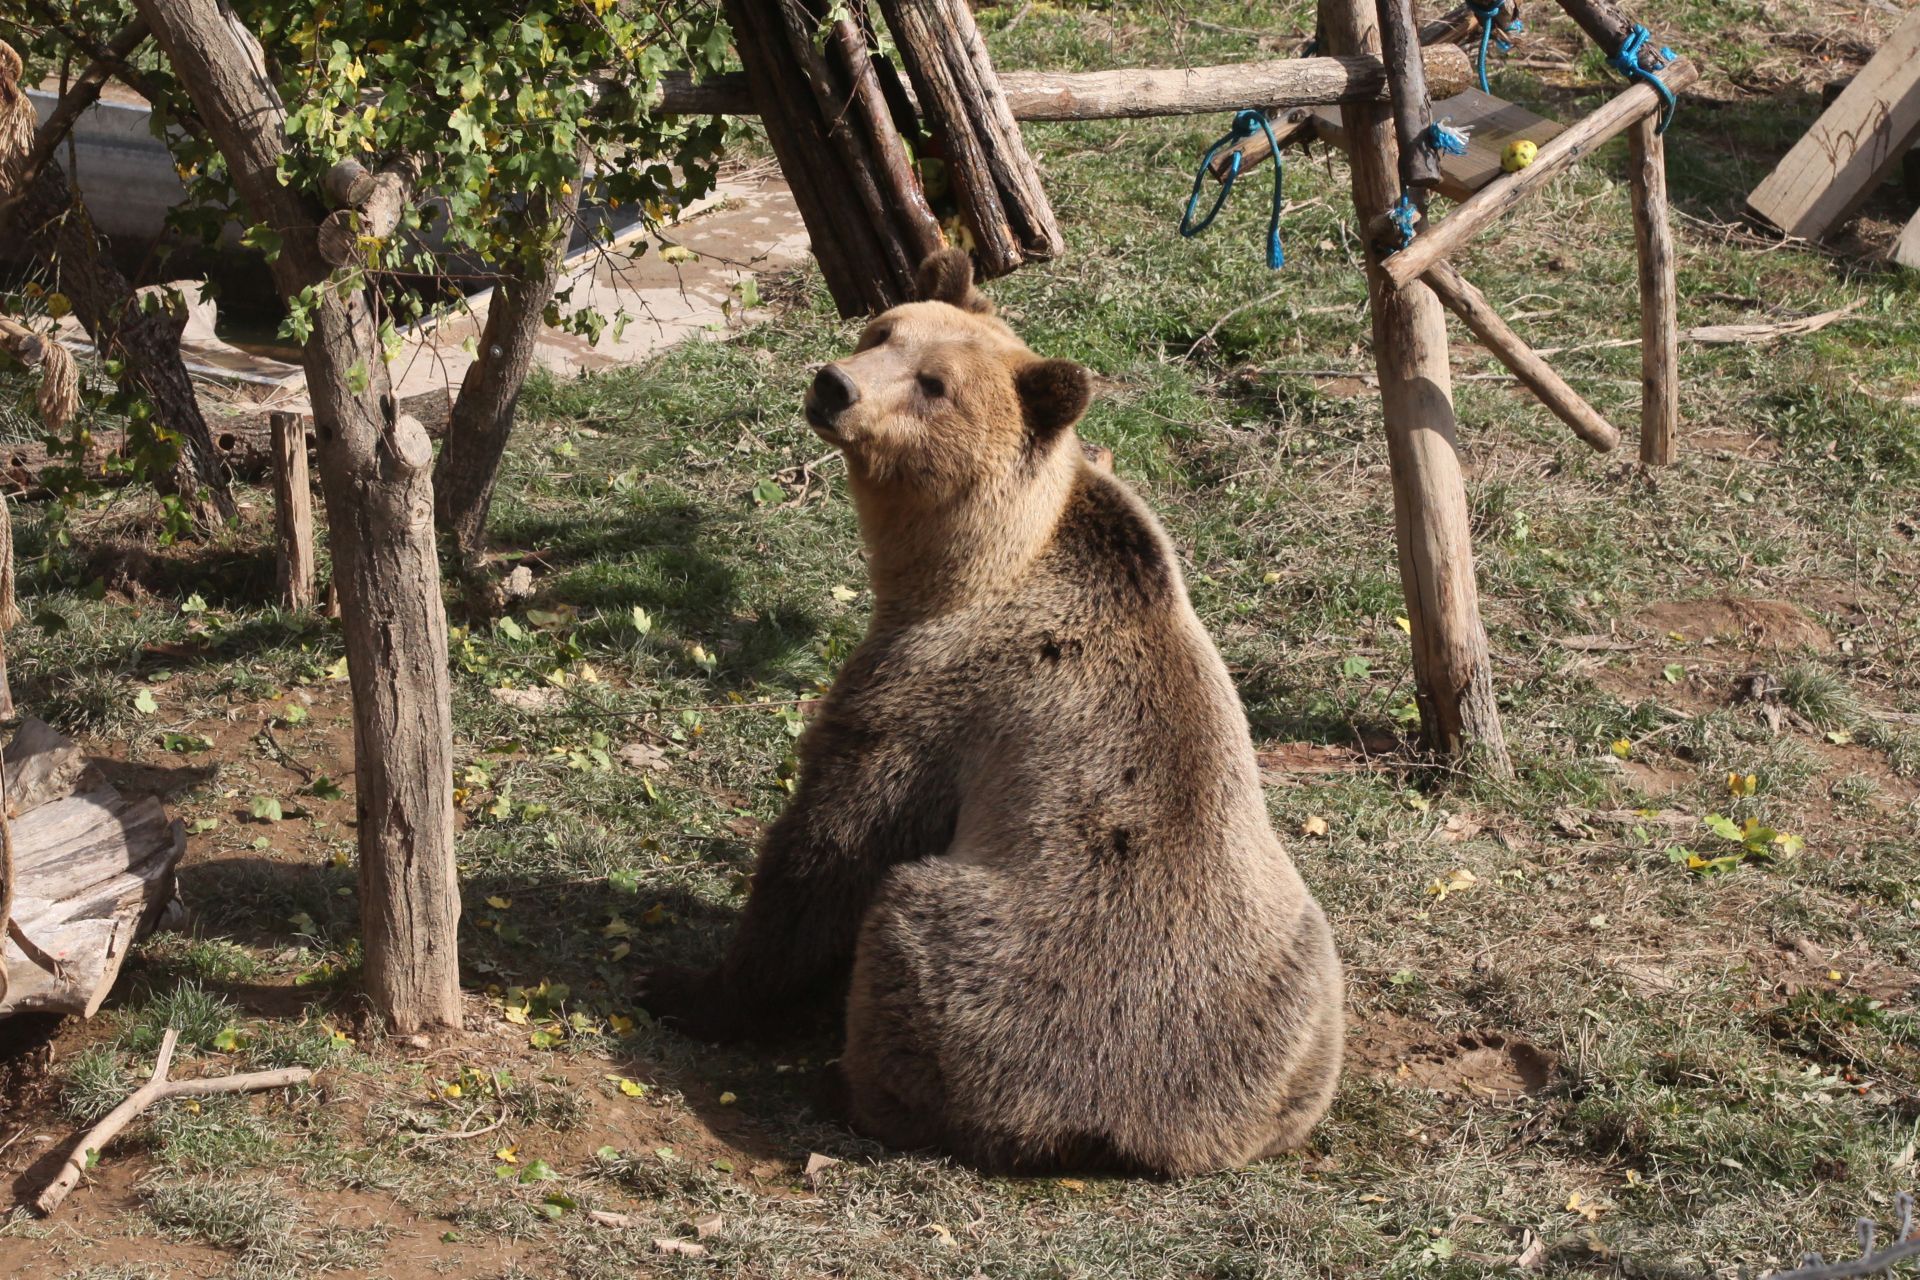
column 1375, row 65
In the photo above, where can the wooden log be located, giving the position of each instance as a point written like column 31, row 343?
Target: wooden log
column 93, row 871
column 292, row 512
column 1906, row 250
column 1453, row 678
column 1659, row 294
column 1608, row 27
column 87, row 1147
column 1442, row 240
column 965, row 110
column 844, row 242
column 22, row 343
column 1412, row 107
column 1297, row 124
column 1278, row 83
column 347, row 185
column 1854, row 145
column 388, row 193
column 920, row 228
column 1478, row 314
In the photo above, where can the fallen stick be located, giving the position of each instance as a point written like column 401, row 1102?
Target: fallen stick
column 157, row 1089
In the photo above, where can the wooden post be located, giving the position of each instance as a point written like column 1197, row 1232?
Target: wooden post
column 1659, row 295
column 1412, row 108
column 1478, row 314
column 1453, row 680
column 292, row 512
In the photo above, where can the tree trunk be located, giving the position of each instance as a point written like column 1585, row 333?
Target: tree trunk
column 482, row 417
column 375, row 471
column 61, row 237
column 1453, row 679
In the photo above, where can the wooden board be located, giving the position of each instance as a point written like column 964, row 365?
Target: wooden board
column 1852, row 146
column 1906, row 250
column 1490, row 124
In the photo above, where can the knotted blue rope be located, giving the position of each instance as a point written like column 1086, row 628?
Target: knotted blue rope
column 1445, row 139
column 1405, row 217
column 1627, row 63
column 1245, row 125
column 1490, row 34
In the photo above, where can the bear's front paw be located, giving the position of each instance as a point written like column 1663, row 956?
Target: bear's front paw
column 691, row 1001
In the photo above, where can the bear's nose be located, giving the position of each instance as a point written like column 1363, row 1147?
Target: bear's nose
column 833, row 391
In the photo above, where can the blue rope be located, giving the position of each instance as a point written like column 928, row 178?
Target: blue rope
column 1490, row 34
column 1245, row 125
column 1627, row 63
column 1445, row 138
column 1405, row 217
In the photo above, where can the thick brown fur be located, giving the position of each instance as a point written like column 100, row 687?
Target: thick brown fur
column 1029, row 833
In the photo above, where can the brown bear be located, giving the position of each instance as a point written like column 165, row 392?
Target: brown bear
column 1028, row 840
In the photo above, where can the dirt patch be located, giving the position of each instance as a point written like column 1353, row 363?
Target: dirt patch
column 1655, row 780
column 1763, row 624
column 1489, row 1066
column 1795, row 965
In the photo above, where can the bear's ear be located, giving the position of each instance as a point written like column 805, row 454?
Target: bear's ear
column 1053, row 395
column 946, row 275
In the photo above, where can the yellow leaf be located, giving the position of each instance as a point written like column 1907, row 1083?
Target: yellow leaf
column 728, row 1099
column 1073, row 1184
column 453, row 1091
column 1314, row 826
column 1588, row 1209
column 622, row 1025
column 193, row 1105
column 58, row 305
column 587, row 674
column 1742, row 784
column 517, row 1015
column 499, row 903
column 632, row 1088
column 621, row 950
column 615, row 928
column 1457, row 881
column 1405, row 624
column 1834, row 975
column 508, row 1155
column 1622, row 748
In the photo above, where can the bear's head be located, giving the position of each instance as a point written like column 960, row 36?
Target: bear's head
column 941, row 397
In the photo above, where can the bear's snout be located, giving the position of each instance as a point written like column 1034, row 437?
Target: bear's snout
column 832, row 394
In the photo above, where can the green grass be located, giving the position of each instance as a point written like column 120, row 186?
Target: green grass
column 1718, row 1098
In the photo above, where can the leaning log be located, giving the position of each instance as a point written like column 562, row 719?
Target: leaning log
column 1112, row 95
column 964, row 107
column 92, row 872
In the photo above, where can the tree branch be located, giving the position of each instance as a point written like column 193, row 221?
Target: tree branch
column 122, row 70
column 83, row 93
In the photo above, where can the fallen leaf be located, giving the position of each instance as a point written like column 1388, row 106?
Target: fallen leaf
column 601, row 1217
column 708, row 1226
column 527, row 699
column 1314, row 826
column 643, row 757
column 817, row 1164
column 681, row 1248
column 1459, row 880
column 1586, row 1208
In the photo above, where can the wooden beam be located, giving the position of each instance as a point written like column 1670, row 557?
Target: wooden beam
column 1453, row 678
column 1444, row 239
column 1852, row 147
column 1113, row 95
column 1297, row 123
column 1478, row 314
column 1659, row 294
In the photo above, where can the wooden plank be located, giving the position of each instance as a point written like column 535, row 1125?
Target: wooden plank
column 1906, row 250
column 1490, row 125
column 292, row 512
column 1852, row 146
column 1659, row 294
column 1494, row 200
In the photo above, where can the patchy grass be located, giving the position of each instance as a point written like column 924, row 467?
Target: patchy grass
column 1563, row 1029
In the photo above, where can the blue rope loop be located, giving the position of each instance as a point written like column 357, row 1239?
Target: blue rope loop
column 1490, row 34
column 1627, row 63
column 1405, row 217
column 1245, row 125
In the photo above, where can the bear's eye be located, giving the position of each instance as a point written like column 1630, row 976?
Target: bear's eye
column 931, row 386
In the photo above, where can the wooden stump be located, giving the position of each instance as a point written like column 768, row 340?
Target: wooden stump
column 1659, row 295
column 292, row 512
column 93, row 871
column 1453, row 680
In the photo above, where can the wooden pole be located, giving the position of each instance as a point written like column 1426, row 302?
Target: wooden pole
column 1659, row 295
column 1115, row 95
column 1412, row 108
column 292, row 512
column 1478, row 314
column 1296, row 123
column 1486, row 206
column 1453, row 678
